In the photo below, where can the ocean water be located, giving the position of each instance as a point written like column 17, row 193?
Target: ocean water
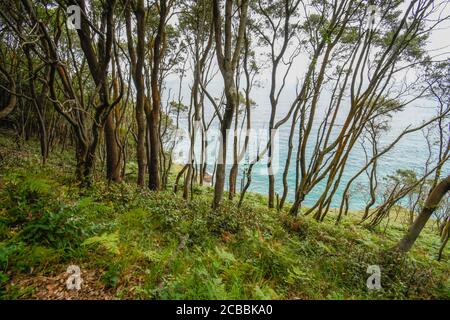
column 411, row 152
column 407, row 155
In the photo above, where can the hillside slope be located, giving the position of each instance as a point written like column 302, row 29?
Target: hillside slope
column 132, row 244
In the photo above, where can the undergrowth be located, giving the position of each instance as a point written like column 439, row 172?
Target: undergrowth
column 146, row 245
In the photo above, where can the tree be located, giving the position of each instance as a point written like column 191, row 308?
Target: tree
column 196, row 26
column 154, row 110
column 371, row 58
column 275, row 28
column 430, row 206
column 12, row 100
column 98, row 61
column 227, row 59
column 137, row 58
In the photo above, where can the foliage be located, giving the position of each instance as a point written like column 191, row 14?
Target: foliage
column 151, row 245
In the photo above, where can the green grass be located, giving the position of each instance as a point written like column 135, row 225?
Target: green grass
column 145, row 245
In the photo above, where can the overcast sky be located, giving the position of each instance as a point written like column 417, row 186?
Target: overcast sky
column 438, row 44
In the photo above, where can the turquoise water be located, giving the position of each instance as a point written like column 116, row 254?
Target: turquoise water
column 410, row 153
column 407, row 155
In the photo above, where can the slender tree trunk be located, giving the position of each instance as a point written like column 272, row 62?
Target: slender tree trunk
column 227, row 61
column 153, row 165
column 112, row 150
column 221, row 165
column 140, row 97
column 235, row 166
column 80, row 155
column 444, row 238
column 154, row 182
column 431, row 204
column 232, row 181
column 137, row 56
column 179, row 175
column 12, row 100
column 271, row 186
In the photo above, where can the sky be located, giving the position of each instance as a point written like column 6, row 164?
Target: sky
column 415, row 113
column 438, row 44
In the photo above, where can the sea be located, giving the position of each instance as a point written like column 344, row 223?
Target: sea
column 412, row 152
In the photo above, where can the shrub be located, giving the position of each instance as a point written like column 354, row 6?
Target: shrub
column 25, row 198
column 55, row 229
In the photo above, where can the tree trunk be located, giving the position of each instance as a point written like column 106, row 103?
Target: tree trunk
column 220, row 170
column 154, row 116
column 227, row 61
column 444, row 238
column 153, row 165
column 431, row 204
column 271, row 186
column 112, row 150
column 5, row 110
column 232, row 181
column 137, row 56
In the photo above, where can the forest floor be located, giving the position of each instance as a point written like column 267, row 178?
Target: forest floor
column 132, row 244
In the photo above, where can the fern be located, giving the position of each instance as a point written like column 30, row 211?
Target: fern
column 109, row 241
